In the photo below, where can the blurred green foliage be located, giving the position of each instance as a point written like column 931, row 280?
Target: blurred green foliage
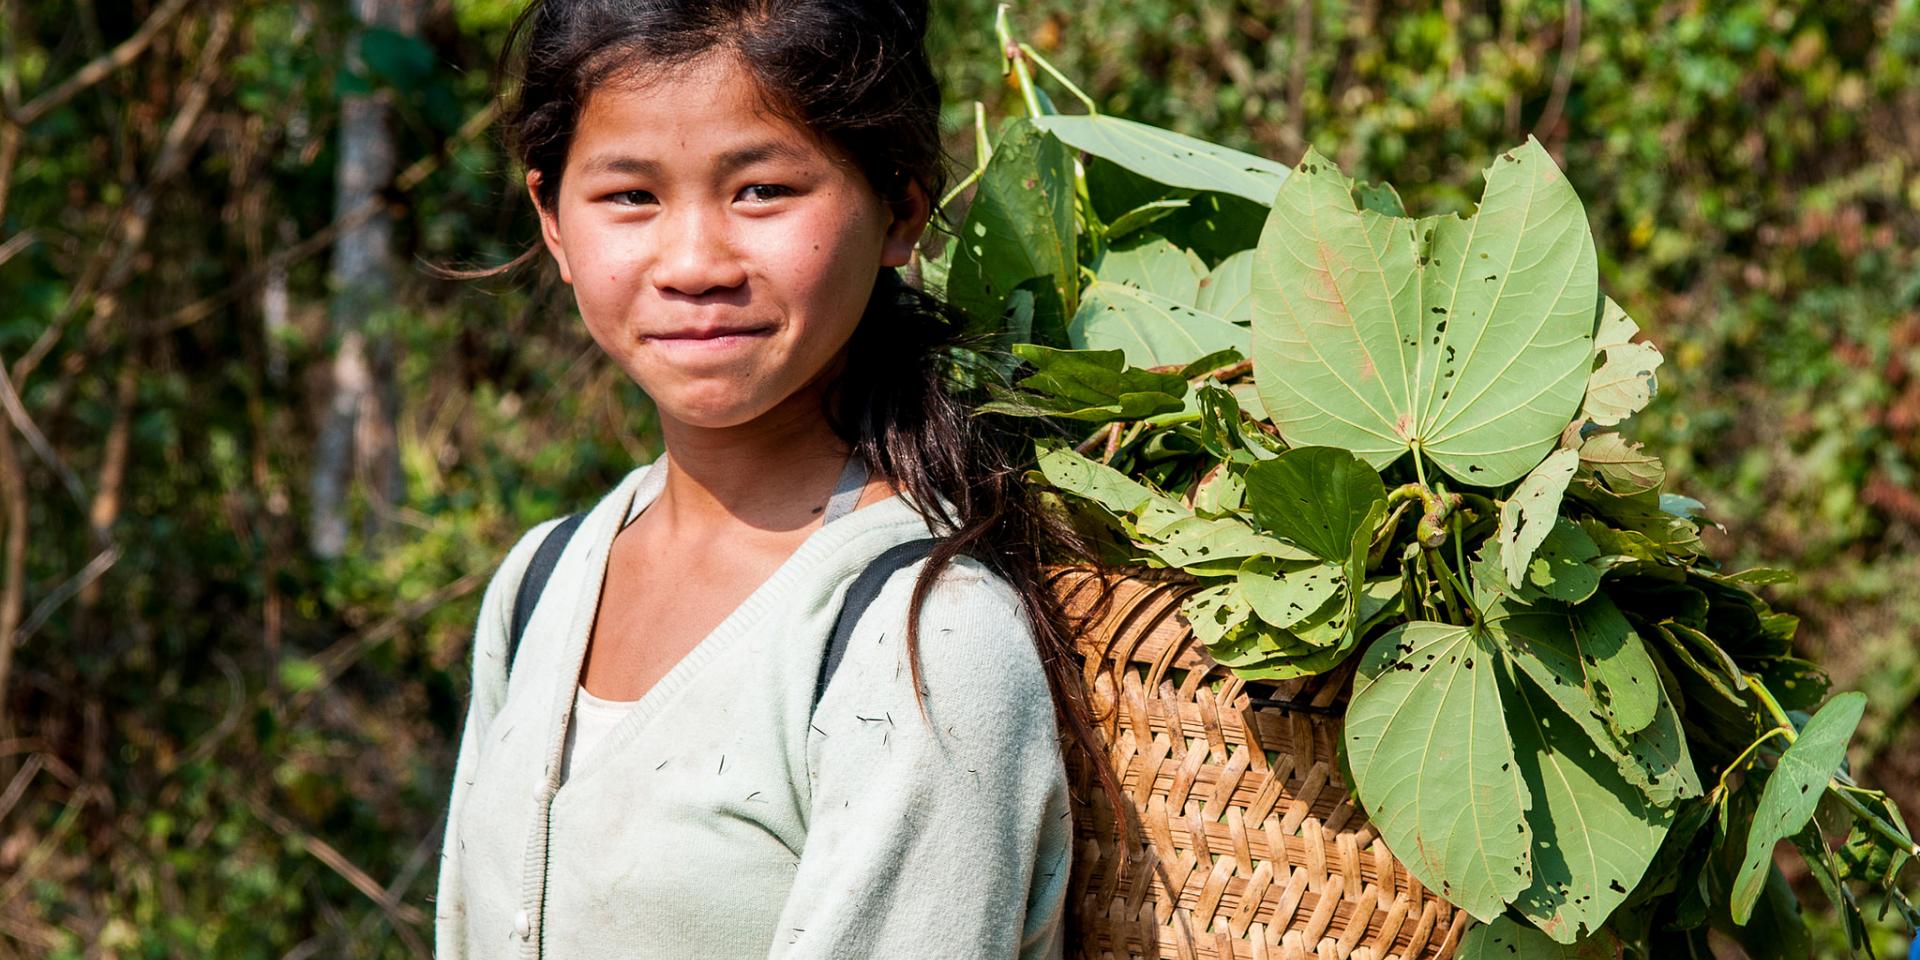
column 229, row 749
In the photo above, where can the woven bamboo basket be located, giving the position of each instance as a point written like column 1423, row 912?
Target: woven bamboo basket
column 1252, row 847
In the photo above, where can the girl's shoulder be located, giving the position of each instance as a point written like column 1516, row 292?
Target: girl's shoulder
column 973, row 627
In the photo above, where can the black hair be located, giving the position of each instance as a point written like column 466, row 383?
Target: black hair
column 854, row 72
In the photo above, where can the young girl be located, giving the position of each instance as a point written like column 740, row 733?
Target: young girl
column 729, row 187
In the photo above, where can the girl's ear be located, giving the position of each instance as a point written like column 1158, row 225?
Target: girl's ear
column 549, row 226
column 910, row 214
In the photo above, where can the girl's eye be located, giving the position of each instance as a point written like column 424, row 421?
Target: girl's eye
column 631, row 197
column 764, row 192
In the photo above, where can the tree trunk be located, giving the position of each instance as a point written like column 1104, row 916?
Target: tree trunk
column 357, row 432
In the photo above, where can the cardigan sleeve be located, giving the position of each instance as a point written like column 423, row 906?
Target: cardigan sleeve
column 489, row 653
column 948, row 836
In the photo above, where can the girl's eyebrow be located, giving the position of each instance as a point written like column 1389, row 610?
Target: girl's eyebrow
column 728, row 162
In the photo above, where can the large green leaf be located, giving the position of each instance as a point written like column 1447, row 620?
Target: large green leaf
column 1093, row 385
column 1471, row 339
column 1654, row 759
column 1174, row 159
column 1326, row 638
column 1284, row 594
column 1214, row 612
column 1227, row 292
column 1216, row 545
column 1625, row 382
column 1593, row 833
column 1433, row 764
column 1591, row 647
column 1212, row 224
column 1563, row 568
column 1160, row 525
column 1792, row 792
column 1150, row 329
column 1120, row 494
column 1020, row 227
column 1156, row 266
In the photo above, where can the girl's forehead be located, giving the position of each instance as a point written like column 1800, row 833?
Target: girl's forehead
column 709, row 102
column 708, row 112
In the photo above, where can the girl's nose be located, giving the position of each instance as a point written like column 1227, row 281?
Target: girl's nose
column 698, row 256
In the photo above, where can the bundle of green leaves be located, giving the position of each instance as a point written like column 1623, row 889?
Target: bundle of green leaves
column 1399, row 439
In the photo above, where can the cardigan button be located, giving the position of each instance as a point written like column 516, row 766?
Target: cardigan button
column 522, row 925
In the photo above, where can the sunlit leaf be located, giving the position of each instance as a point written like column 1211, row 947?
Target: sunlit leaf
column 1227, row 291
column 1792, row 792
column 1155, row 266
column 1174, row 159
column 1433, row 764
column 1625, row 382
column 1593, row 833
column 1150, row 329
column 1527, row 516
column 1470, row 339
column 1020, row 227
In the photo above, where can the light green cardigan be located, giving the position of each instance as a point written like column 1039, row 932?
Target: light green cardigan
column 723, row 818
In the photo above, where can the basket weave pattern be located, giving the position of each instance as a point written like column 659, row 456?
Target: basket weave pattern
column 1239, row 795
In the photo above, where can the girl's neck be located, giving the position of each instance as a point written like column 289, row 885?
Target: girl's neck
column 762, row 474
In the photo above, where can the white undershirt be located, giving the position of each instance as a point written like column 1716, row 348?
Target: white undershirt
column 593, row 719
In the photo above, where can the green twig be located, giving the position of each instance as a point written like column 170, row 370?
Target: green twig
column 969, row 180
column 1773, row 707
column 1011, row 59
column 1873, row 820
column 982, row 147
column 1744, row 755
column 1451, row 586
column 1059, row 77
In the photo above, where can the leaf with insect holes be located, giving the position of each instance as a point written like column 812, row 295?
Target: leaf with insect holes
column 1433, row 764
column 1469, row 339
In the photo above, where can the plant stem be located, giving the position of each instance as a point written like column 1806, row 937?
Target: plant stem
column 969, row 180
column 1744, row 754
column 1424, row 564
column 1170, row 419
column 1060, row 78
column 982, row 147
column 1459, row 552
column 1452, row 585
column 1873, row 820
column 1419, row 470
column 1446, row 586
column 1013, row 59
column 1773, row 707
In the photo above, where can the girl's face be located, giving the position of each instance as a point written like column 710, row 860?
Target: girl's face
column 720, row 254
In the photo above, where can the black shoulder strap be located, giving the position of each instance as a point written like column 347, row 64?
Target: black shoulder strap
column 865, row 587
column 539, row 571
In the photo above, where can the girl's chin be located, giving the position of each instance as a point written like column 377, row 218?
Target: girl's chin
column 710, row 412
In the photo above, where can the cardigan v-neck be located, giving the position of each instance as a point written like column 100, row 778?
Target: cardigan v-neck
column 728, row 817
column 639, row 710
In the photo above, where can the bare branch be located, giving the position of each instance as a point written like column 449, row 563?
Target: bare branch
column 17, row 413
column 322, row 239
column 404, row 917
column 43, row 611
column 100, row 67
column 1562, row 73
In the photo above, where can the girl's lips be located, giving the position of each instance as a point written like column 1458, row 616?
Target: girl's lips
column 711, row 342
